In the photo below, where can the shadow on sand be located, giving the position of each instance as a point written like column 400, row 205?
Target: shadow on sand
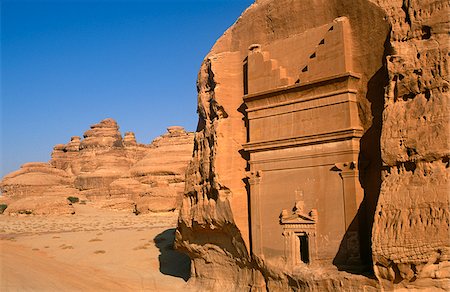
column 172, row 262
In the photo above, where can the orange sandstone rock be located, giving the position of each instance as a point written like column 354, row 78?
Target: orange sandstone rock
column 339, row 107
column 106, row 170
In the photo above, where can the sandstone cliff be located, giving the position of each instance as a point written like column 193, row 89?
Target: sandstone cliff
column 411, row 239
column 106, row 170
column 400, row 50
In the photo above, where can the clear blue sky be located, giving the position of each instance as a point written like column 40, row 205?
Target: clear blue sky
column 68, row 64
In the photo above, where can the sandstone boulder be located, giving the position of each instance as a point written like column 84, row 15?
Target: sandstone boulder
column 117, row 204
column 40, row 205
column 33, row 179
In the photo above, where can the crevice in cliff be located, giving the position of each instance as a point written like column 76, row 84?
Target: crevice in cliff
column 405, row 8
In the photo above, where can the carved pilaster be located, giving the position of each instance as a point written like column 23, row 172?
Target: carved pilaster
column 353, row 196
column 352, row 190
column 254, row 179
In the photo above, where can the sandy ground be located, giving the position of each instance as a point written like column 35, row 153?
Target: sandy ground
column 93, row 250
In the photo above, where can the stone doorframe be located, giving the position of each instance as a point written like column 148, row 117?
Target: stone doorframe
column 299, row 227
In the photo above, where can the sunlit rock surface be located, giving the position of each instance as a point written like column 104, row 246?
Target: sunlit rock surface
column 106, row 170
column 398, row 51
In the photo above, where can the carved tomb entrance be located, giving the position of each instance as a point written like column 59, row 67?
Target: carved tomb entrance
column 300, row 132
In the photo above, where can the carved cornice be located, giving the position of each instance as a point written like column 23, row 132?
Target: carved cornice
column 308, row 156
column 299, row 226
column 334, row 136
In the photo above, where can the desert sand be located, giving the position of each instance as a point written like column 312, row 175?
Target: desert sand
column 93, row 250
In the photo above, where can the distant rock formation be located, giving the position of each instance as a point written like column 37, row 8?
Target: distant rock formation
column 106, row 170
column 37, row 188
column 286, row 96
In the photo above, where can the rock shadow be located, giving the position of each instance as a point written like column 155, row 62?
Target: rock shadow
column 370, row 168
column 172, row 262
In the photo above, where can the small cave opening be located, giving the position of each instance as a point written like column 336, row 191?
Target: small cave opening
column 426, row 32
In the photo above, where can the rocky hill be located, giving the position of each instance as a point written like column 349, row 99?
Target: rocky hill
column 103, row 169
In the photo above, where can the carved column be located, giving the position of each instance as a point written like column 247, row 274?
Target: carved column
column 353, row 196
column 312, row 246
column 254, row 179
column 352, row 190
column 289, row 247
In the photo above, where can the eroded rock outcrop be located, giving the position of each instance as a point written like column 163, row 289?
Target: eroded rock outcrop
column 104, row 134
column 39, row 205
column 106, row 170
column 38, row 188
column 164, row 168
column 399, row 52
column 411, row 238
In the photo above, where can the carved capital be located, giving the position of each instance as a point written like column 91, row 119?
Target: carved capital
column 345, row 166
column 346, row 169
column 254, row 177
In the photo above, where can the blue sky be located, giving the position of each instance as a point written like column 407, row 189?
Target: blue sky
column 68, row 64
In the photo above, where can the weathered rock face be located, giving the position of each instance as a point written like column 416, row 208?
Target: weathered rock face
column 107, row 170
column 38, row 188
column 129, row 139
column 63, row 155
column 411, row 232
column 104, row 134
column 33, row 178
column 40, row 205
column 163, row 169
column 400, row 51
